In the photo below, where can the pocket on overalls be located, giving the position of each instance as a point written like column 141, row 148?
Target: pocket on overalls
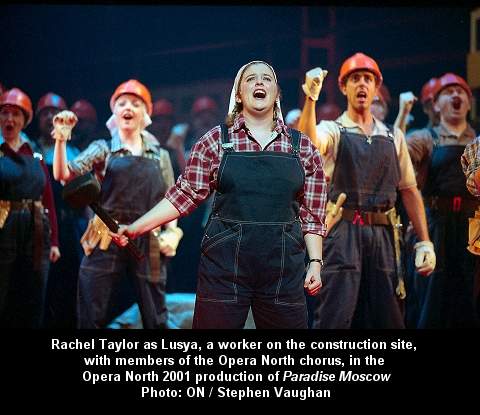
column 219, row 261
column 290, row 289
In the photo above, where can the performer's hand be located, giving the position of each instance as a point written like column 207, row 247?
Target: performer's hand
column 54, row 254
column 425, row 258
column 407, row 99
column 313, row 280
column 168, row 241
column 63, row 124
column 121, row 236
column 176, row 141
column 334, row 212
column 313, row 82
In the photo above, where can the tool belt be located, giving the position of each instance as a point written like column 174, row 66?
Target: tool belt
column 358, row 217
column 451, row 204
column 387, row 218
column 37, row 210
column 96, row 232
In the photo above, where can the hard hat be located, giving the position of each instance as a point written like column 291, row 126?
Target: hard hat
column 428, row 89
column 451, row 79
column 20, row 99
column 84, row 110
column 133, row 87
column 162, row 107
column 50, row 100
column 203, row 103
column 359, row 62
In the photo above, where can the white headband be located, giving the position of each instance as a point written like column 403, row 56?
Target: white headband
column 231, row 104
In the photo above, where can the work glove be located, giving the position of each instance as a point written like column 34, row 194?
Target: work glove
column 168, row 241
column 425, row 258
column 313, row 82
column 63, row 124
column 407, row 99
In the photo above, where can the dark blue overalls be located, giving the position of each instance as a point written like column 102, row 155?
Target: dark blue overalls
column 253, row 251
column 24, row 242
column 445, row 299
column 131, row 187
column 359, row 277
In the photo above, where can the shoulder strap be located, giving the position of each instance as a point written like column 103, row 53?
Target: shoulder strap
column 295, row 135
column 226, row 145
column 434, row 134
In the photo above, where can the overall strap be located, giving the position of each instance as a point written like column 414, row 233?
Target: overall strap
column 295, row 134
column 226, row 145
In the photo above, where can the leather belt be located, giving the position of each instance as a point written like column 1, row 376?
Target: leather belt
column 451, row 204
column 358, row 217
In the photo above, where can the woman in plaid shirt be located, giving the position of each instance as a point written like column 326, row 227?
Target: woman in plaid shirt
column 269, row 207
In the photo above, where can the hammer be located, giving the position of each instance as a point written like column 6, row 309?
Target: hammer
column 85, row 190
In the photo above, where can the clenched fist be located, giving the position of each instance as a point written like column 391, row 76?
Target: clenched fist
column 63, row 124
column 313, row 82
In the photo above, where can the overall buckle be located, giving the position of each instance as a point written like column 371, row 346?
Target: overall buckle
column 358, row 218
column 456, row 204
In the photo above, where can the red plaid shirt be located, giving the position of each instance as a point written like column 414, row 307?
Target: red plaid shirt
column 199, row 179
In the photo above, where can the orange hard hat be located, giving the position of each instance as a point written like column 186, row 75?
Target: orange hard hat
column 426, row 94
column 84, row 110
column 451, row 79
column 359, row 62
column 203, row 103
column 50, row 100
column 134, row 87
column 162, row 107
column 20, row 99
column 328, row 112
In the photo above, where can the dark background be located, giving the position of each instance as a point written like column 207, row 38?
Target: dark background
column 86, row 50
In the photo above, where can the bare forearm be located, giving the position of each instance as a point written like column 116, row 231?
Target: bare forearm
column 60, row 166
column 314, row 245
column 412, row 200
column 401, row 120
column 162, row 212
column 307, row 122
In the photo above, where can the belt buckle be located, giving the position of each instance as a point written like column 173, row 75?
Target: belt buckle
column 456, row 203
column 357, row 217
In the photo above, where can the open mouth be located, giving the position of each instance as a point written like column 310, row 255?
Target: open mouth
column 362, row 95
column 127, row 116
column 259, row 93
column 457, row 104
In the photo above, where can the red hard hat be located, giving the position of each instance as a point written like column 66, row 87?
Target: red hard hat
column 451, row 79
column 328, row 112
column 133, row 87
column 84, row 110
column 50, row 100
column 428, row 89
column 359, row 62
column 162, row 107
column 20, row 99
column 203, row 103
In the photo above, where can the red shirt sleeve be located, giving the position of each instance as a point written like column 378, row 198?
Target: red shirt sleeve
column 48, row 203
